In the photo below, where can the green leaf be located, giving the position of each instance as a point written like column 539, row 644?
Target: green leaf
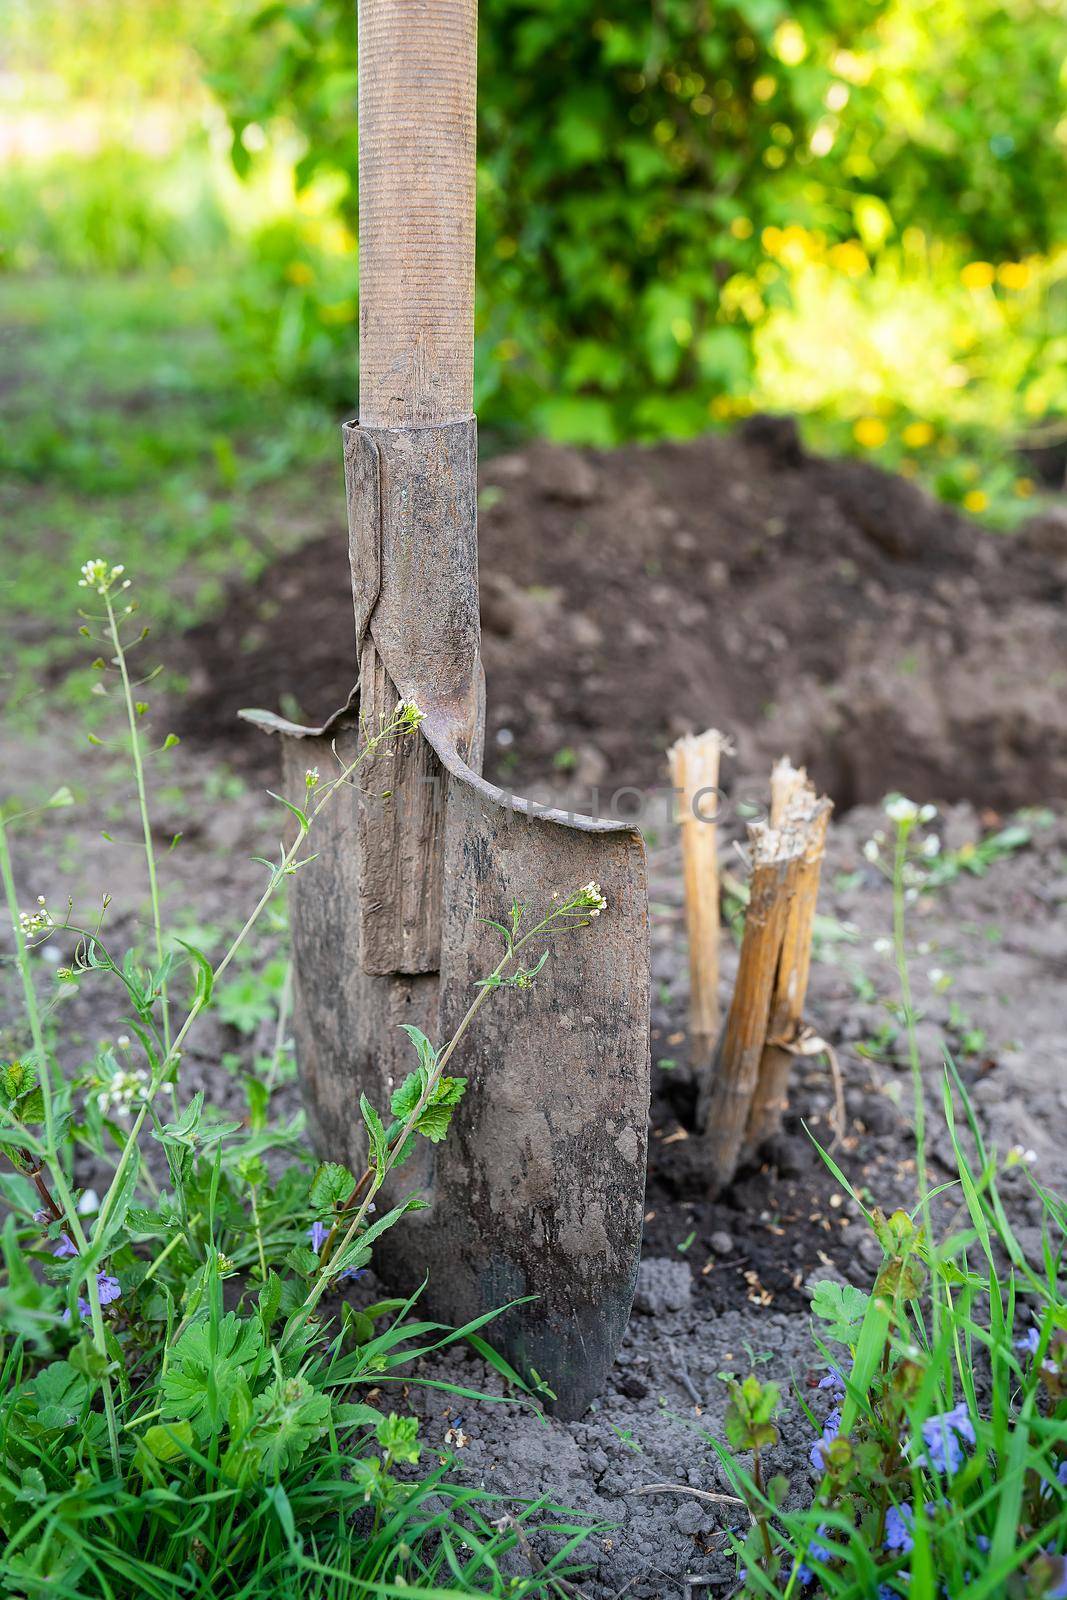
column 331, row 1186
column 60, row 1394
column 205, row 975
column 164, row 1441
column 286, row 1418
column 842, row 1306
column 208, row 1363
column 378, row 1144
column 398, row 1437
column 301, row 816
column 426, row 1052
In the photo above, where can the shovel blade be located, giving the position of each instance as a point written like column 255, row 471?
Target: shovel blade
column 538, row 1189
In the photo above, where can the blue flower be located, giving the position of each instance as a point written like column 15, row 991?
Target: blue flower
column 318, row 1233
column 817, row 1454
column 1061, row 1472
column 107, row 1288
column 898, row 1521
column 833, row 1381
column 818, row 1552
column 64, row 1246
column 1029, row 1341
column 942, row 1434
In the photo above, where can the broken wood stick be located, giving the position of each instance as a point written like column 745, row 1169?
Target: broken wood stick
column 795, row 808
column 694, row 764
column 747, row 1093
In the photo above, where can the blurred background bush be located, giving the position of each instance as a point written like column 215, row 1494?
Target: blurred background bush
column 688, row 210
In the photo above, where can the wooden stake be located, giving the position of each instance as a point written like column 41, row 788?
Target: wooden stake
column 796, row 811
column 747, row 1093
column 694, row 763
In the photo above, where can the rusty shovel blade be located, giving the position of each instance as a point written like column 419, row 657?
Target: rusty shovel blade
column 538, row 1190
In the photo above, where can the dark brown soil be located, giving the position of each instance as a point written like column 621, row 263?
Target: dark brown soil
column 824, row 607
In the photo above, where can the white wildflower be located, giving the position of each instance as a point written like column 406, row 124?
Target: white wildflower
column 898, row 809
column 311, row 777
column 407, row 715
column 101, row 578
column 936, row 975
column 125, row 1089
column 883, row 947
column 871, row 851
column 931, row 846
column 31, row 923
column 590, row 900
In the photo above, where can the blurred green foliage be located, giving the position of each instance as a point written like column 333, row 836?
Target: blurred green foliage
column 851, row 209
column 632, row 159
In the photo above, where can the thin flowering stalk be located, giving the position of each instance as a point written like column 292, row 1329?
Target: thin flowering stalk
column 142, row 794
column 405, row 719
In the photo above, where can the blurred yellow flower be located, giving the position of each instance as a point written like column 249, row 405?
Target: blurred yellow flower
column 300, row 273
column 1024, row 488
column 849, row 258
column 790, row 45
column 741, row 228
column 1013, row 274
column 978, row 275
column 870, row 432
column 764, row 87
column 917, row 434
column 975, row 501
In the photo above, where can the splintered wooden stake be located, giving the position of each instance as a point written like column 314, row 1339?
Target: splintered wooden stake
column 694, row 763
column 746, row 1095
column 794, row 807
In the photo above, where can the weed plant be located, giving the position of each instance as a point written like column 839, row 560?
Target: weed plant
column 941, row 1426
column 188, row 1407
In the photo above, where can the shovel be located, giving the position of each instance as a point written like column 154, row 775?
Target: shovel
column 539, row 1188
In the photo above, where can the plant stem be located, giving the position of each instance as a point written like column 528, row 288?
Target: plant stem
column 142, row 802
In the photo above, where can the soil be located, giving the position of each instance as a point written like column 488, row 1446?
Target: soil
column 779, row 596
column 816, row 606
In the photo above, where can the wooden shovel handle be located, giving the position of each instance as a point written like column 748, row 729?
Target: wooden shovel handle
column 417, row 133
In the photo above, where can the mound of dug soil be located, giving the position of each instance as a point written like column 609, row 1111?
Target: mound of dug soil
column 817, row 606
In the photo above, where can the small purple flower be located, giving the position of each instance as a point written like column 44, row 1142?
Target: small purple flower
column 942, row 1434
column 107, row 1288
column 1050, row 1571
column 818, row 1552
column 64, row 1247
column 1061, row 1472
column 1029, row 1341
column 318, row 1233
column 898, row 1521
column 42, row 1217
column 833, row 1381
column 817, row 1454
